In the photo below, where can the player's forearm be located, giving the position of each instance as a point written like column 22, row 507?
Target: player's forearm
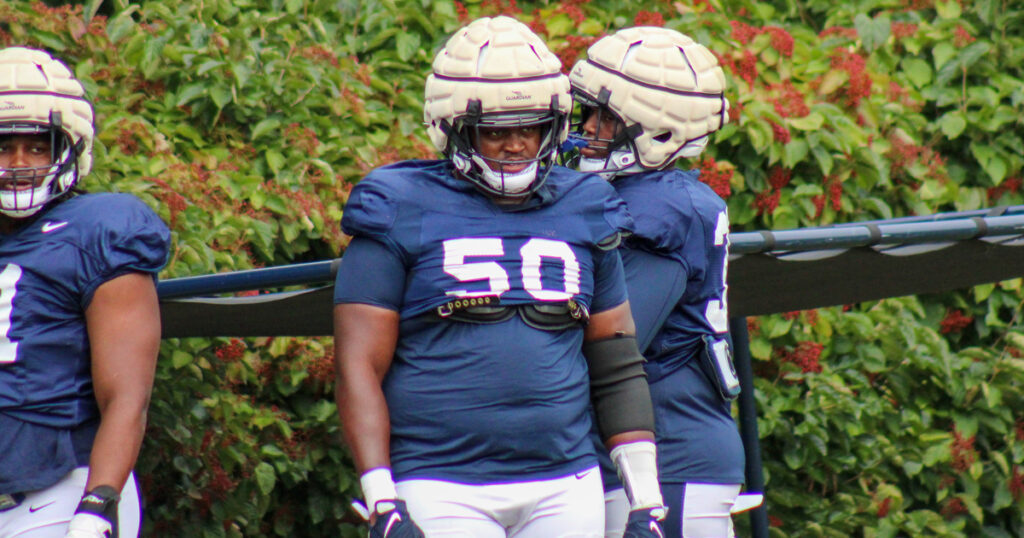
column 118, row 440
column 366, row 424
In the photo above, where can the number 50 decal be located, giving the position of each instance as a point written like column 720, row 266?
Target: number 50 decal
column 8, row 281
column 456, row 251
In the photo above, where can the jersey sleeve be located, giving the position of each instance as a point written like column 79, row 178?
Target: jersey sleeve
column 609, row 281
column 607, row 215
column 370, row 273
column 125, row 236
column 655, row 284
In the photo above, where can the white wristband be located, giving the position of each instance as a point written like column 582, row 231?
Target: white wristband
column 378, row 486
column 638, row 469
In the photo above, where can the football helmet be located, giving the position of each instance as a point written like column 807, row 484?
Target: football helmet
column 39, row 95
column 666, row 91
column 495, row 73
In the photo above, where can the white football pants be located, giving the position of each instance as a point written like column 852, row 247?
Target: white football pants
column 46, row 513
column 567, row 507
column 706, row 511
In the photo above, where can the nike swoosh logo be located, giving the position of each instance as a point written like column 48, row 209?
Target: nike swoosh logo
column 50, row 226
column 36, row 508
column 396, row 518
column 583, row 474
column 656, row 529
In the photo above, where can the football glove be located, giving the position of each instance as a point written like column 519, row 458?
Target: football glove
column 96, row 515
column 644, row 523
column 394, row 523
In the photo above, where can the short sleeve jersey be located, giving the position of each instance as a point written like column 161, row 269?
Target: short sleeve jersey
column 500, row 402
column 49, row 270
column 679, row 217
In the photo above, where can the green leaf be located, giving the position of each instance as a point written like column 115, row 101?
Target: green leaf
column 122, row 25
column 265, row 126
column 266, row 479
column 943, row 53
column 873, row 32
column 180, row 358
column 948, row 9
column 810, row 122
column 407, row 44
column 952, row 124
column 918, row 71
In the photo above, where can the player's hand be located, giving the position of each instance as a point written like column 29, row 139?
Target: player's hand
column 394, row 521
column 645, row 523
column 96, row 515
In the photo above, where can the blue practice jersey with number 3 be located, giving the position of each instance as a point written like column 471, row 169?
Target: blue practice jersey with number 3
column 487, row 403
column 679, row 218
column 49, row 269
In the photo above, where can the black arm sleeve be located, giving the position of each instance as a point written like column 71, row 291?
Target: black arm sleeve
column 618, row 386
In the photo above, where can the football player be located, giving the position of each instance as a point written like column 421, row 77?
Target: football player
column 79, row 318
column 481, row 306
column 648, row 97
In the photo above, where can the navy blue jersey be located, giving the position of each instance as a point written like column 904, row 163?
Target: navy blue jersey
column 49, row 270
column 679, row 218
column 483, row 403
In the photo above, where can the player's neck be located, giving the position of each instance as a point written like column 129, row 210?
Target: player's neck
column 9, row 225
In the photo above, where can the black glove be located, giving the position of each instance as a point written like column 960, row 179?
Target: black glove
column 394, row 523
column 96, row 515
column 644, row 523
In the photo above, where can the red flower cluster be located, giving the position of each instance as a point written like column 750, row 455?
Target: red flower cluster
column 572, row 9
column 461, row 12
column 955, row 321
column 790, row 102
column 883, row 507
column 782, row 40
column 320, row 53
column 805, row 356
column 743, row 32
column 962, row 452
column 1016, row 484
column 962, row 38
column 303, row 138
column 321, row 369
column 649, row 18
column 859, row 85
column 1010, row 184
column 779, row 133
column 848, row 33
column 767, row 201
column 779, row 177
column 574, row 48
column 903, row 29
column 953, row 507
column 714, row 178
column 232, row 351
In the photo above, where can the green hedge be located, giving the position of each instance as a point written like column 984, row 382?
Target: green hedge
column 246, row 122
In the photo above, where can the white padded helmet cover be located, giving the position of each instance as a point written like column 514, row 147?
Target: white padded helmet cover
column 660, row 79
column 502, row 64
column 32, row 85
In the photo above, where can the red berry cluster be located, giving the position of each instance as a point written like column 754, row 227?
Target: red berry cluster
column 717, row 179
column 955, row 321
column 805, row 356
column 859, row 85
column 649, row 18
column 962, row 452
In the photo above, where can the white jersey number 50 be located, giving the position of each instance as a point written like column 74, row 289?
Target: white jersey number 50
column 456, row 251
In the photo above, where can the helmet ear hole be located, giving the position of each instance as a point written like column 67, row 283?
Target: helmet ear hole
column 663, row 137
